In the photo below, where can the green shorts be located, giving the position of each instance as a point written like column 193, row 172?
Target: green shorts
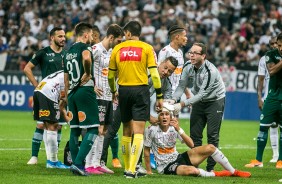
column 83, row 108
column 271, row 111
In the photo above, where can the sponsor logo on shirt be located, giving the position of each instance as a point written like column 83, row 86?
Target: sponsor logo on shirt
column 45, row 113
column 130, row 54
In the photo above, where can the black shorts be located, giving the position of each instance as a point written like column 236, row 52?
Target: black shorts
column 182, row 159
column 105, row 112
column 45, row 109
column 134, row 102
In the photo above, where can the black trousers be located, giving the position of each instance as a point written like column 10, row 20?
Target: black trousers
column 210, row 114
column 111, row 133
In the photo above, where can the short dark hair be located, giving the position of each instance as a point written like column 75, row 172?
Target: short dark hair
column 279, row 37
column 114, row 30
column 53, row 31
column 81, row 28
column 173, row 60
column 175, row 29
column 203, row 46
column 96, row 29
column 134, row 27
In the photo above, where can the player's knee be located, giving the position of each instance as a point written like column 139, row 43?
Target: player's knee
column 59, row 127
column 40, row 126
column 262, row 136
column 189, row 171
column 210, row 148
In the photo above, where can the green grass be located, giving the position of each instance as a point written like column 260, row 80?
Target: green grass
column 16, row 129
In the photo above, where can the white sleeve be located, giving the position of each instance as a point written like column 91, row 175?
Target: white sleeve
column 148, row 137
column 262, row 67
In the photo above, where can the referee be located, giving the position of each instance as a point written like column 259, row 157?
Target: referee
column 208, row 100
column 130, row 60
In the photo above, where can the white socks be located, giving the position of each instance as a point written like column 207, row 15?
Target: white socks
column 52, row 145
column 274, row 141
column 204, row 173
column 219, row 157
column 93, row 158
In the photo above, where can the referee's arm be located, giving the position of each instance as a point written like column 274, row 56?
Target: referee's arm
column 156, row 81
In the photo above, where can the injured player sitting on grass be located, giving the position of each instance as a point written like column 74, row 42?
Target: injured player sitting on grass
column 161, row 139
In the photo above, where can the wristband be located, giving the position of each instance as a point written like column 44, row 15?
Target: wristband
column 180, row 131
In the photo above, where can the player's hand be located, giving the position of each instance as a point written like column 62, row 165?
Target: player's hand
column 177, row 108
column 260, row 104
column 159, row 105
column 99, row 92
column 84, row 79
column 115, row 97
column 169, row 101
column 174, row 122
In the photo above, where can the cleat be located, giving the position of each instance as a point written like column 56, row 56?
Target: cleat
column 279, row 164
column 139, row 168
column 152, row 161
column 274, row 159
column 76, row 170
column 134, row 175
column 254, row 163
column 51, row 165
column 104, row 169
column 60, row 165
column 223, row 173
column 116, row 163
column 92, row 170
column 242, row 174
column 32, row 161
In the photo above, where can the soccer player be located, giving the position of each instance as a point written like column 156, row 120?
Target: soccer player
column 50, row 60
column 263, row 80
column 45, row 108
column 272, row 107
column 82, row 102
column 162, row 140
column 178, row 39
column 101, row 54
column 209, row 97
column 130, row 61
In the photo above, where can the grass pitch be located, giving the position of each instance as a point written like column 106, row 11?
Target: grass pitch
column 237, row 142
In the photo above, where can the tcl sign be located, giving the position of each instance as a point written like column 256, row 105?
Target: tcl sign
column 130, row 54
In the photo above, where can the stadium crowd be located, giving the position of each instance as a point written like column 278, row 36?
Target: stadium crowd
column 236, row 31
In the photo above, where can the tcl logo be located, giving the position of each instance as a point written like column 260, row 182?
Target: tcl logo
column 130, row 54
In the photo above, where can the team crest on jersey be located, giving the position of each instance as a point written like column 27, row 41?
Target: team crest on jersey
column 261, row 117
column 44, row 113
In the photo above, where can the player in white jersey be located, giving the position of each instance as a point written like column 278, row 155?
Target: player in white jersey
column 46, row 109
column 178, row 39
column 162, row 140
column 101, row 55
column 263, row 80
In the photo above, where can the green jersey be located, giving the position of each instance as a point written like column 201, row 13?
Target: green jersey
column 48, row 60
column 74, row 67
column 275, row 82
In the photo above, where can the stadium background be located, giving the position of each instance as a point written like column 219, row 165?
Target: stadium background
column 236, row 32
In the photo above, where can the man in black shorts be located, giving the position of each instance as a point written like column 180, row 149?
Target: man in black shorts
column 162, row 140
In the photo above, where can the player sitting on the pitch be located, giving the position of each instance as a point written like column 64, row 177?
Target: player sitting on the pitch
column 162, row 140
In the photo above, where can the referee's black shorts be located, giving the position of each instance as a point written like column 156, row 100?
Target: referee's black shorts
column 134, row 103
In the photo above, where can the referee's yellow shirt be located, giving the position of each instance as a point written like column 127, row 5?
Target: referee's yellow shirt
column 132, row 58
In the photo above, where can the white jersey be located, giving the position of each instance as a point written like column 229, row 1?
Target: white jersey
column 101, row 68
column 262, row 70
column 52, row 85
column 177, row 54
column 162, row 145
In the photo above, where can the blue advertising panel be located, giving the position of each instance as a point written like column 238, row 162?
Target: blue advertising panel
column 16, row 97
